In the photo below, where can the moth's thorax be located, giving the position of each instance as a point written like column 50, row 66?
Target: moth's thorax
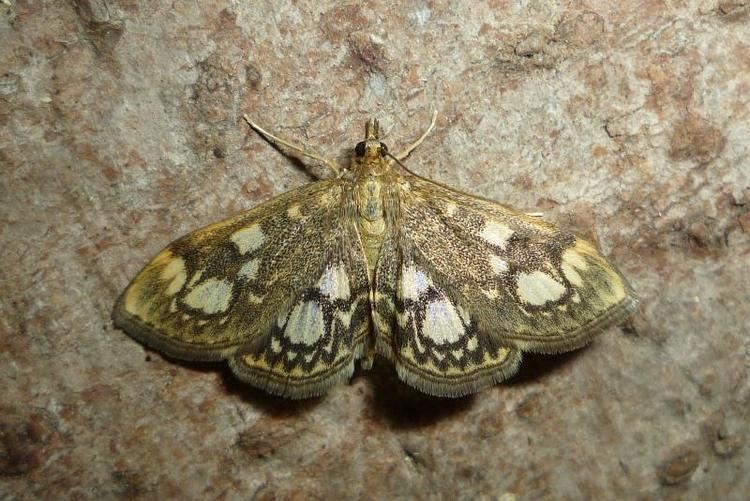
column 370, row 166
column 370, row 171
column 371, row 220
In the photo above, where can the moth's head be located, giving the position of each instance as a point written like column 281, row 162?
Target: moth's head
column 371, row 149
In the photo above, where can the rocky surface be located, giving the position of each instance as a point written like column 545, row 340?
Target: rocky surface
column 120, row 130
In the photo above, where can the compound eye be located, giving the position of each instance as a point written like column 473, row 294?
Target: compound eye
column 359, row 150
column 383, row 147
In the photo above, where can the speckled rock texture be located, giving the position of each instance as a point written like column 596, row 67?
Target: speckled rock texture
column 120, row 130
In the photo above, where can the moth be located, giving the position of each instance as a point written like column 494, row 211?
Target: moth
column 373, row 260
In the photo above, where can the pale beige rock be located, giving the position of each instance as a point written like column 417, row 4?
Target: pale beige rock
column 120, row 129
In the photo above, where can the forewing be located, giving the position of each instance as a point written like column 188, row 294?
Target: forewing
column 280, row 290
column 465, row 285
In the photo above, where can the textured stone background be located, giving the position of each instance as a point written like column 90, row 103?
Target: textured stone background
column 120, row 130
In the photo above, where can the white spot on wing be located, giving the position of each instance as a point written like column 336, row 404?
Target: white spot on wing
column 413, row 282
column 442, row 323
column 175, row 272
column 275, row 345
column 499, row 266
column 450, row 209
column 403, row 319
column 305, row 324
column 496, row 233
column 249, row 270
column 211, row 296
column 335, row 283
column 576, row 260
column 572, row 261
column 293, row 212
column 248, row 239
column 571, row 274
column 537, row 288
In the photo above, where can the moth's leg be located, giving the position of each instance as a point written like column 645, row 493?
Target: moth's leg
column 535, row 214
column 416, row 143
column 322, row 169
